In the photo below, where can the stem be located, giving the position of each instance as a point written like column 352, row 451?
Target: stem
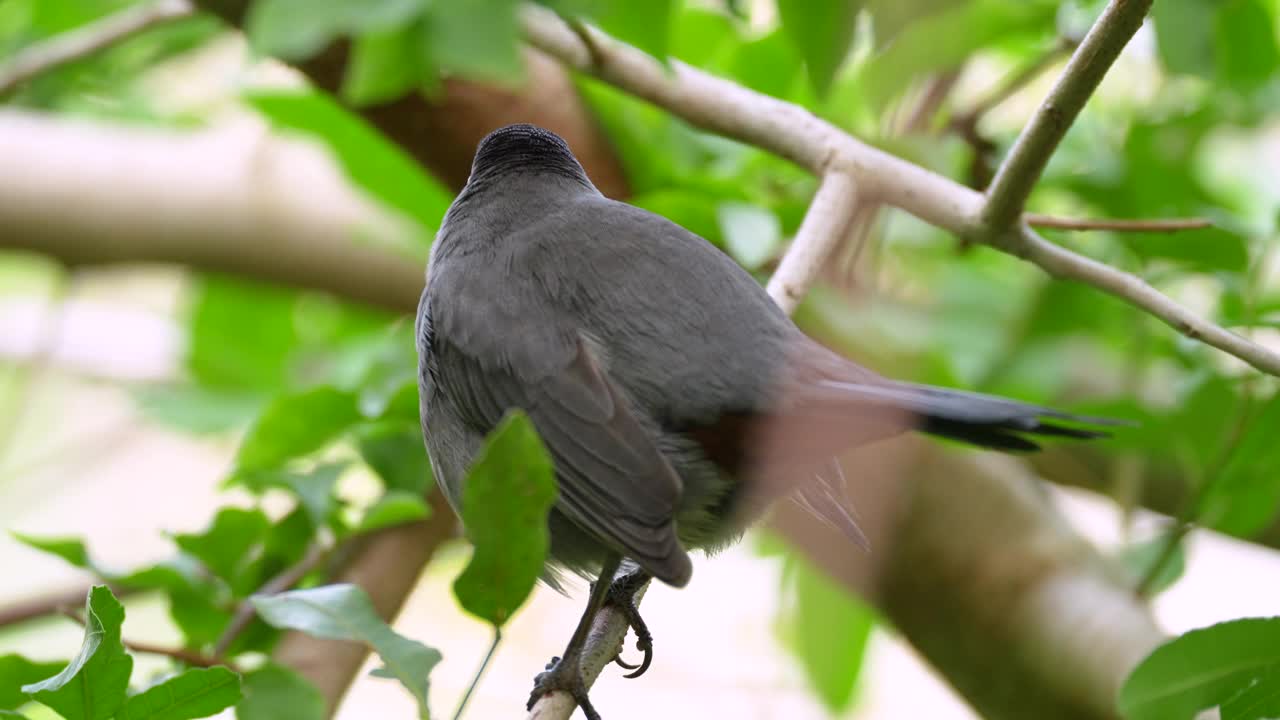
column 484, row 665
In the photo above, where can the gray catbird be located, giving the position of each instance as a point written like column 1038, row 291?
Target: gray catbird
column 675, row 398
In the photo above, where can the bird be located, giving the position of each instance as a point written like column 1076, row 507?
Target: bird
column 676, row 400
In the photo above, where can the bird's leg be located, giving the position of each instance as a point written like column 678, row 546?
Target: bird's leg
column 622, row 595
column 565, row 672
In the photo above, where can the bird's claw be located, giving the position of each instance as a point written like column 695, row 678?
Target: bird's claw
column 565, row 677
column 622, row 596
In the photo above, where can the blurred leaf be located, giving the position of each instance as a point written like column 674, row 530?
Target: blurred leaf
column 274, row 691
column 822, row 32
column 396, row 507
column 94, row 684
column 1181, row 39
column 225, row 546
column 197, row 409
column 313, row 488
column 768, row 64
column 344, row 612
column 298, row 29
column 505, row 501
column 70, row 549
column 242, row 334
column 645, row 24
column 1203, row 668
column 944, row 39
column 387, row 64
column 195, row 693
column 1139, row 558
column 16, row 671
column 371, row 161
column 395, row 451
column 699, row 35
column 891, row 16
column 1245, row 498
column 1244, row 36
column 752, row 234
column 478, row 39
column 827, row 629
column 295, row 425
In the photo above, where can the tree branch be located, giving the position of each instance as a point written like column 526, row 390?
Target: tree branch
column 1163, row 225
column 1030, row 153
column 797, row 135
column 826, row 223
column 87, row 40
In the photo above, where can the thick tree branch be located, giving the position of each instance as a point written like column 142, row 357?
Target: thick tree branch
column 1019, row 173
column 87, row 40
column 797, row 135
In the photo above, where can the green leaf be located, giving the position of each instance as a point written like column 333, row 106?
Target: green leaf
column 396, row 507
column 1201, row 669
column 752, row 234
column 1139, row 559
column 16, row 671
column 242, row 334
column 768, row 64
column 395, row 451
column 385, row 65
column 94, row 684
column 295, row 425
column 11, row 715
column 371, row 161
column 197, row 409
column 891, row 16
column 1245, row 39
column 313, row 488
column 1181, row 39
column 478, row 39
column 822, row 31
column 1260, row 700
column 195, row 693
column 70, row 549
column 1244, row 499
column 828, row 630
column 645, row 24
column 505, row 501
column 274, row 691
column 225, row 546
column 298, row 29
column 344, row 612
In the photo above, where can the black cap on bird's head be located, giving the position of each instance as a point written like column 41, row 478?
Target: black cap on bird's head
column 524, row 148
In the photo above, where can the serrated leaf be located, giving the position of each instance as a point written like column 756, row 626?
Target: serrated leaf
column 372, row 162
column 478, row 39
column 505, row 501
column 298, row 29
column 70, row 549
column 294, row 425
column 344, row 612
column 822, row 31
column 274, row 691
column 313, row 488
column 1201, row 669
column 225, row 546
column 827, row 630
column 752, row 234
column 396, row 507
column 16, row 671
column 93, row 686
column 195, row 693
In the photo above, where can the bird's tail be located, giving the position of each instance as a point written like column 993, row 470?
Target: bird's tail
column 974, row 418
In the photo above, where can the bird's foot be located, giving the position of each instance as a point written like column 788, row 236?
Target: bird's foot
column 566, row 676
column 622, row 596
